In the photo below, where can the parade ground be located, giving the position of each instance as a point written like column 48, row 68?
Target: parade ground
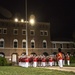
column 54, row 70
column 70, row 69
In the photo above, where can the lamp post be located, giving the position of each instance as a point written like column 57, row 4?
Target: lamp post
column 32, row 22
column 26, row 30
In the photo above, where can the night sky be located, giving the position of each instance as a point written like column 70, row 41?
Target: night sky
column 60, row 14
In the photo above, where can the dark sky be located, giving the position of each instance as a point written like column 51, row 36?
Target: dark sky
column 60, row 14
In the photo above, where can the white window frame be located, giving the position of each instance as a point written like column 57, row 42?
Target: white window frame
column 67, row 45
column 46, row 32
column 61, row 45
column 3, row 42
column 23, row 41
column 44, row 41
column 42, row 32
column 32, row 41
column 15, row 40
column 23, row 30
column 4, row 30
column 54, row 45
column 14, row 31
column 33, row 32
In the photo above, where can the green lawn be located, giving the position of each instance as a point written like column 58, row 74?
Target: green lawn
column 71, row 65
column 11, row 70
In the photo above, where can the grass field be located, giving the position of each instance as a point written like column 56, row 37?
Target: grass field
column 12, row 70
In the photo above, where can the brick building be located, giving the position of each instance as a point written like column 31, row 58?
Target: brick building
column 13, row 40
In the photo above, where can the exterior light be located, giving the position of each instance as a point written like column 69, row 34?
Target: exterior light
column 16, row 19
column 22, row 20
column 32, row 20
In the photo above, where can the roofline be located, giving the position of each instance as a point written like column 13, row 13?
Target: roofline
column 62, row 42
column 9, row 20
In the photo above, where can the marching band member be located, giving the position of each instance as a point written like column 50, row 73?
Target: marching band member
column 63, row 59
column 55, row 60
column 23, row 57
column 20, row 61
column 43, row 61
column 51, row 61
column 27, row 61
column 35, row 61
column 31, row 60
column 68, row 59
column 60, row 58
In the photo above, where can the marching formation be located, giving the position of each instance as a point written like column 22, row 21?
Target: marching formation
column 44, row 61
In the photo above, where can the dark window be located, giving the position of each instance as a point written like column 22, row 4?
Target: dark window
column 32, row 44
column 15, row 44
column 45, row 33
column 44, row 44
column 60, row 45
column 0, row 31
column 24, row 32
column 15, row 31
column 24, row 44
column 32, row 32
column 1, row 43
column 53, row 45
column 41, row 33
column 4, row 31
column 67, row 45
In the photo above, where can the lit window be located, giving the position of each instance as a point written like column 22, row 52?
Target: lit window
column 44, row 44
column 1, row 43
column 32, row 43
column 32, row 32
column 4, row 30
column 15, row 31
column 15, row 43
column 23, row 32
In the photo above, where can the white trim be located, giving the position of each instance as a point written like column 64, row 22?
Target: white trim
column 46, row 32
column 14, row 31
column 42, row 32
column 3, row 42
column 15, row 40
column 33, row 42
column 33, row 32
column 4, row 29
column 23, row 41
column 44, row 41
column 61, row 42
column 33, row 48
column 23, row 30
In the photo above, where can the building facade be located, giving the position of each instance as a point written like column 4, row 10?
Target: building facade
column 13, row 40
column 66, row 47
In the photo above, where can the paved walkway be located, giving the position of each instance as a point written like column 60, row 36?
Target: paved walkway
column 72, row 69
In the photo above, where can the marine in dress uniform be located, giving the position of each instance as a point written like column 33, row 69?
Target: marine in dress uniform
column 68, row 59
column 60, row 58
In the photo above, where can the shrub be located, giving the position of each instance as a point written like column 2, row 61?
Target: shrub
column 3, row 61
column 72, row 59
